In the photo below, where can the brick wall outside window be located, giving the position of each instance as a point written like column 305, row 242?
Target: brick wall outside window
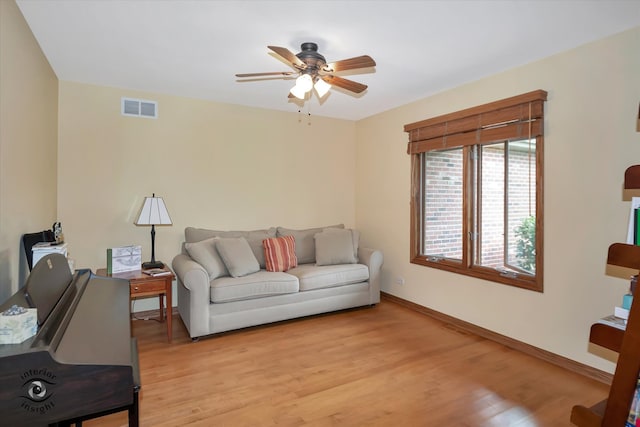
column 443, row 203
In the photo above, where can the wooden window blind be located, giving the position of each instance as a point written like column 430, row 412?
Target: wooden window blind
column 518, row 117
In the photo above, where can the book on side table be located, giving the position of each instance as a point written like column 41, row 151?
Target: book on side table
column 614, row 321
column 156, row 272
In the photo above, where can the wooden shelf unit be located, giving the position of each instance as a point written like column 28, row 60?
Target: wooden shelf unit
column 614, row 411
column 632, row 178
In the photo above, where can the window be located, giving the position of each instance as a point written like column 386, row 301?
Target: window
column 476, row 202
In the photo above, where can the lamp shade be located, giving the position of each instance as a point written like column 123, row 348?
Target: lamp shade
column 153, row 212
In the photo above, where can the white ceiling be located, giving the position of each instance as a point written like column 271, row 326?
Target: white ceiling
column 195, row 48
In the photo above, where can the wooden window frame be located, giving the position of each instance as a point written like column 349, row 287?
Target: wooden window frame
column 518, row 117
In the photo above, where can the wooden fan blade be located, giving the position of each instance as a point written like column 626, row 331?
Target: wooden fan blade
column 289, row 56
column 363, row 61
column 349, row 85
column 274, row 73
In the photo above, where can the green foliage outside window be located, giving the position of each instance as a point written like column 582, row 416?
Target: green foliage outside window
column 526, row 243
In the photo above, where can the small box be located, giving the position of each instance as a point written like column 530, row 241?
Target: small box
column 18, row 324
column 123, row 259
column 621, row 313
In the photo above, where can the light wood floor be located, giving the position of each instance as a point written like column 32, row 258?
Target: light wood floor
column 381, row 366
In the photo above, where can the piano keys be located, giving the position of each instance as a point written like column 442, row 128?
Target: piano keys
column 82, row 362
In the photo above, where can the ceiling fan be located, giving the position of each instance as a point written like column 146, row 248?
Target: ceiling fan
column 314, row 72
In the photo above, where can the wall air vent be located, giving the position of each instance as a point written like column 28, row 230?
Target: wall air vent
column 139, row 108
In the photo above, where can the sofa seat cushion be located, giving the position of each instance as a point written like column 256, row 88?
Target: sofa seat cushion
column 260, row 284
column 313, row 276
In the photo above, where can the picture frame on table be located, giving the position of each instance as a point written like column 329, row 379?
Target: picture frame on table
column 124, row 258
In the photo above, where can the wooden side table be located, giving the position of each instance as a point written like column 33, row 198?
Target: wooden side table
column 142, row 286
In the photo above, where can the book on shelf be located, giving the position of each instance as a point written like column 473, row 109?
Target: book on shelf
column 634, row 217
column 636, row 226
column 634, row 410
column 614, row 321
column 156, row 272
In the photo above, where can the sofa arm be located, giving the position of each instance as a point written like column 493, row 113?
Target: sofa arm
column 193, row 294
column 373, row 259
column 191, row 274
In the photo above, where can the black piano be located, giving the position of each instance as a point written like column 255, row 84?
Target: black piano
column 82, row 363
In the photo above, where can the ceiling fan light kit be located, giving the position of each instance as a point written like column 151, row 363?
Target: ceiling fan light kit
column 321, row 87
column 304, row 84
column 315, row 73
column 298, row 92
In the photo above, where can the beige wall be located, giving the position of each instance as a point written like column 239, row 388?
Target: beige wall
column 590, row 140
column 28, row 137
column 216, row 165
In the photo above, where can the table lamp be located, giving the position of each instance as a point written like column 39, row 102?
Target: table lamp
column 154, row 212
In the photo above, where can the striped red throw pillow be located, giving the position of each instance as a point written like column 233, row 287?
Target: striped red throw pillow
column 280, row 253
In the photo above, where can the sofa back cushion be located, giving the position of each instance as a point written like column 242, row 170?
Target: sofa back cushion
column 280, row 253
column 305, row 243
column 254, row 238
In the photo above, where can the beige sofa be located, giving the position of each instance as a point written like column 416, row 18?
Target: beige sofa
column 223, row 284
